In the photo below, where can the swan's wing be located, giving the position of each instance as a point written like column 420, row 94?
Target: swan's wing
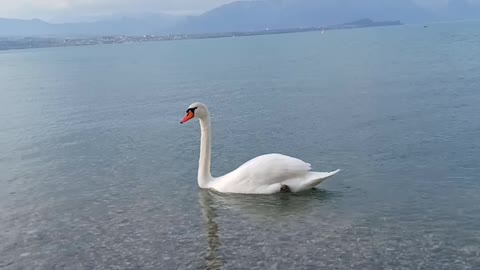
column 265, row 175
column 271, row 169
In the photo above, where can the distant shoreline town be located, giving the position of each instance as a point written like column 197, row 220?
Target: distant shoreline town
column 13, row 43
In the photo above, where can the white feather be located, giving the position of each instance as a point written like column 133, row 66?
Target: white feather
column 264, row 174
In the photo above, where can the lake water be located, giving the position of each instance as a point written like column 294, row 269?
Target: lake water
column 97, row 173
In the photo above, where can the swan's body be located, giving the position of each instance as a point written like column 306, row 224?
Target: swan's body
column 266, row 174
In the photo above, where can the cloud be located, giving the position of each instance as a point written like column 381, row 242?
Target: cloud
column 53, row 8
column 432, row 4
column 72, row 10
column 439, row 4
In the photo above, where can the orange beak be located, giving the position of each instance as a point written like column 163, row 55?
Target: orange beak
column 187, row 117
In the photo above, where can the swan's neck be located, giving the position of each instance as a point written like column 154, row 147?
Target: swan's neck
column 204, row 175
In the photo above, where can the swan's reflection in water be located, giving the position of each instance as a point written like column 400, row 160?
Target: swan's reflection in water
column 266, row 207
column 259, row 209
column 212, row 260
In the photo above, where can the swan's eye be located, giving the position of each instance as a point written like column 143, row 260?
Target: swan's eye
column 191, row 110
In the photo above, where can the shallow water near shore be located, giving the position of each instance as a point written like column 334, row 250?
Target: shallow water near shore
column 97, row 173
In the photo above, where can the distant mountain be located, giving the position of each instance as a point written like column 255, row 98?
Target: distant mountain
column 279, row 14
column 251, row 16
column 116, row 25
column 14, row 27
column 460, row 9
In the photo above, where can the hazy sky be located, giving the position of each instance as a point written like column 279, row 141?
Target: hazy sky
column 61, row 9
column 72, row 10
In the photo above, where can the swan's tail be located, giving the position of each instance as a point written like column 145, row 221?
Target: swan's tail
column 317, row 178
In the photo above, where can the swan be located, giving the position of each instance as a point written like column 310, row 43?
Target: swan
column 266, row 174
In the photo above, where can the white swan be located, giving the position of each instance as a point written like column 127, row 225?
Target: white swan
column 265, row 174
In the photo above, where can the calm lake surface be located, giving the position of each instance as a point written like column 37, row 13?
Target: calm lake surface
column 97, row 173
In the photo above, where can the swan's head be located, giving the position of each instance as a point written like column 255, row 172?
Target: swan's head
column 195, row 111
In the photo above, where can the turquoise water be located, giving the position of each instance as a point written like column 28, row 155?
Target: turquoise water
column 97, row 173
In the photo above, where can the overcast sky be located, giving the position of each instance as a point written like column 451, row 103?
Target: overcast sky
column 60, row 9
column 73, row 10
